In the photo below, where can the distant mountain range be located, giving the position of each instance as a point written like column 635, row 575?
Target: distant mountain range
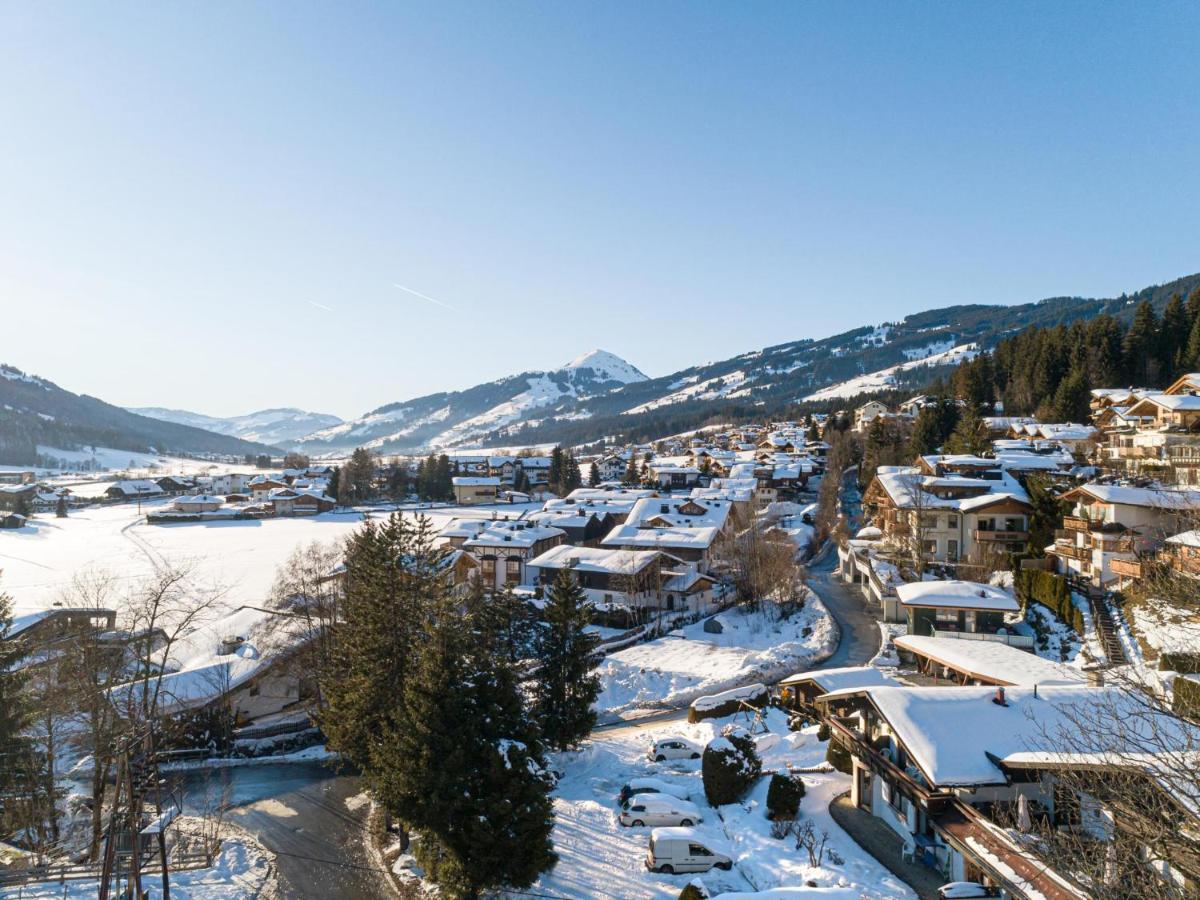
column 600, row 395
column 277, row 427
column 596, row 396
column 462, row 417
column 35, row 412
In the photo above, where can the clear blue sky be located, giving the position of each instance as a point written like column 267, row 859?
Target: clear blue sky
column 207, row 205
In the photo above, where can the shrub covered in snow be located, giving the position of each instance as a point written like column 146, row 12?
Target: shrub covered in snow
column 783, row 797
column 839, row 757
column 693, row 891
column 729, row 766
column 823, row 732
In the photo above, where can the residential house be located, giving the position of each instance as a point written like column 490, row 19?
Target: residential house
column 197, row 503
column 585, row 526
column 953, row 608
column 966, row 662
column 1114, row 527
column 503, row 550
column 137, row 489
column 868, row 413
column 472, row 491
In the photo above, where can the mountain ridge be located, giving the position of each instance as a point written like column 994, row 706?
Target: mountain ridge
column 276, row 426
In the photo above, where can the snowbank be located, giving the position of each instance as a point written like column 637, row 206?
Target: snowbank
column 671, row 672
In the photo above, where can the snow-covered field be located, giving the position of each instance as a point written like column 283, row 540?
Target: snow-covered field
column 243, row 870
column 237, row 558
column 689, row 663
column 600, row 858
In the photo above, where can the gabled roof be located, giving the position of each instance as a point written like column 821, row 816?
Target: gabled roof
column 1121, row 495
column 956, row 595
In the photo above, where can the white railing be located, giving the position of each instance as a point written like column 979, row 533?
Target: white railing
column 1023, row 641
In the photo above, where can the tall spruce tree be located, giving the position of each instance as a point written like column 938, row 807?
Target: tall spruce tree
column 631, row 476
column 1172, row 338
column 1140, row 347
column 391, row 575
column 461, row 763
column 593, row 475
column 926, row 437
column 15, row 719
column 1072, row 399
column 969, row 435
column 566, row 688
column 554, row 474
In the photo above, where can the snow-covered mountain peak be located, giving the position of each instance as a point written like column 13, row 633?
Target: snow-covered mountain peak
column 608, row 366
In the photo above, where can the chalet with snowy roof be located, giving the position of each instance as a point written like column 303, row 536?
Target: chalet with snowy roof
column 630, row 580
column 137, row 489
column 958, row 772
column 672, row 477
column 260, row 487
column 291, row 502
column 197, row 503
column 475, row 490
column 966, row 662
column 12, row 520
column 59, row 623
column 27, row 476
column 503, row 550
column 1114, row 527
column 232, row 483
column 951, row 517
column 536, row 469
column 173, row 485
column 953, row 608
column 868, row 413
column 503, row 467
column 798, row 692
column 584, row 526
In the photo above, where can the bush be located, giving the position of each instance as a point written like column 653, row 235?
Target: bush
column 729, row 766
column 1185, row 697
column 839, row 757
column 783, row 797
column 823, row 732
column 692, row 891
column 727, row 703
column 1183, row 663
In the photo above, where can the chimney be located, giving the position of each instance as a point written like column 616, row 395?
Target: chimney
column 999, row 699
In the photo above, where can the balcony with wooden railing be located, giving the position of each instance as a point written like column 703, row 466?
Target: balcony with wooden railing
column 1070, row 551
column 995, row 534
column 1076, row 523
column 1127, row 568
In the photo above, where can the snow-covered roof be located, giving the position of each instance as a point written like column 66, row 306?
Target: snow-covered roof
column 953, row 733
column 633, row 536
column 684, row 512
column 508, row 534
column 595, row 559
column 956, row 595
column 1186, row 539
column 1122, row 495
column 463, row 481
column 840, row 678
column 991, row 661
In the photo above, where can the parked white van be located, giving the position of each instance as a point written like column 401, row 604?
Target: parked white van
column 683, row 850
column 673, row 748
column 659, row 809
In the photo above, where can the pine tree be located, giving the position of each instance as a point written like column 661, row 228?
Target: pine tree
column 60, row 507
column 1072, row 400
column 391, row 575
column 1139, row 349
column 15, row 719
column 554, row 476
column 1191, row 353
column 969, row 435
column 925, row 433
column 594, row 475
column 461, row 763
column 566, row 686
column 631, row 476
column 571, row 477
column 1173, row 336
column 1193, row 306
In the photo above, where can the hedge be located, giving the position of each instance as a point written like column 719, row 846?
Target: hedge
column 783, row 797
column 1052, row 592
column 1183, row 663
column 823, row 732
column 1185, row 697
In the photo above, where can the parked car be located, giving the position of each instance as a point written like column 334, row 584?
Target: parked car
column 674, row 850
column 658, row 809
column 650, row 786
column 956, row 890
column 673, row 748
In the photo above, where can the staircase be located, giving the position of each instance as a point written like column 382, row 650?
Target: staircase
column 1106, row 629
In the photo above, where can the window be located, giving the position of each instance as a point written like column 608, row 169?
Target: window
column 698, row 850
column 512, row 571
column 947, row 618
column 952, row 521
column 952, row 551
column 254, row 689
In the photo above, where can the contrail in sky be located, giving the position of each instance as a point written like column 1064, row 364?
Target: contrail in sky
column 425, row 297
column 319, row 305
